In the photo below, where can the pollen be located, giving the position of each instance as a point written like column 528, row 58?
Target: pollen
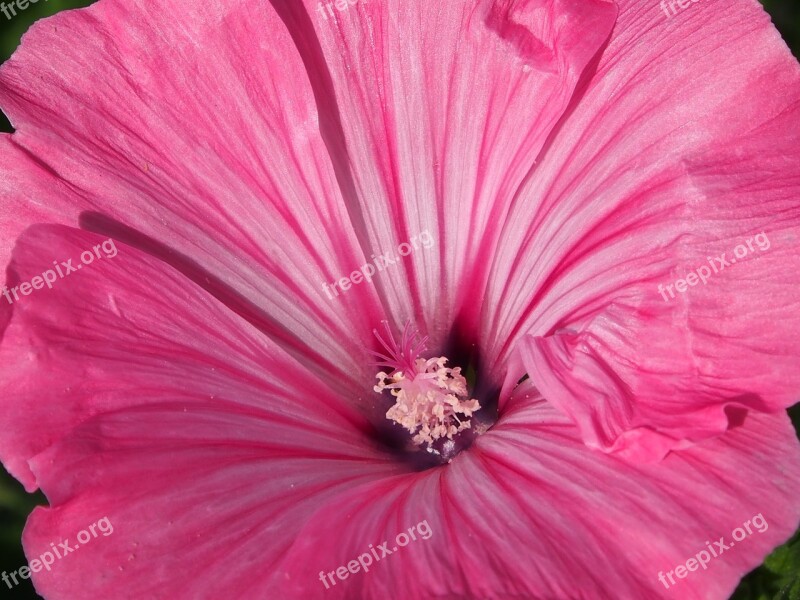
column 431, row 399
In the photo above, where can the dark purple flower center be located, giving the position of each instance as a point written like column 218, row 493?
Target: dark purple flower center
column 431, row 400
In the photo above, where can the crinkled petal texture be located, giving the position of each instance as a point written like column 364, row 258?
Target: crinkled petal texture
column 226, row 469
column 202, row 391
column 444, row 107
column 653, row 292
column 205, row 444
column 220, row 133
column 199, row 138
column 531, row 512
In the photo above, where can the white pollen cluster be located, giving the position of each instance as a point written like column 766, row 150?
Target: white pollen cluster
column 433, row 403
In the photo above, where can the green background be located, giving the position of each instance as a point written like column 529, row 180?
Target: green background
column 778, row 578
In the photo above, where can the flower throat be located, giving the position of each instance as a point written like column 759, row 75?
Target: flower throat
column 432, row 402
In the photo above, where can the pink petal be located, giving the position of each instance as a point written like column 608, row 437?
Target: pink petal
column 683, row 147
column 126, row 331
column 204, row 499
column 444, row 107
column 29, row 193
column 202, row 134
column 530, row 512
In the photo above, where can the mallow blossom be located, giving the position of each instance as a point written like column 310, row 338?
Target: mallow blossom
column 521, row 386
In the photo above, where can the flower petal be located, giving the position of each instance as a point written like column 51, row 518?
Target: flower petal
column 204, row 499
column 202, row 134
column 444, row 107
column 531, row 512
column 29, row 193
column 683, row 147
column 121, row 330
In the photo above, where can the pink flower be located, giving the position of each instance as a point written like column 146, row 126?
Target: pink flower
column 205, row 394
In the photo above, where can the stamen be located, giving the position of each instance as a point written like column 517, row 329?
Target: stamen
column 431, row 399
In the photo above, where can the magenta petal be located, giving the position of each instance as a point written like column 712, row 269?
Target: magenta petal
column 234, row 178
column 200, row 391
column 194, row 434
column 128, row 331
column 683, row 147
column 678, row 369
column 204, row 497
column 531, row 512
column 641, row 386
column 444, row 107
